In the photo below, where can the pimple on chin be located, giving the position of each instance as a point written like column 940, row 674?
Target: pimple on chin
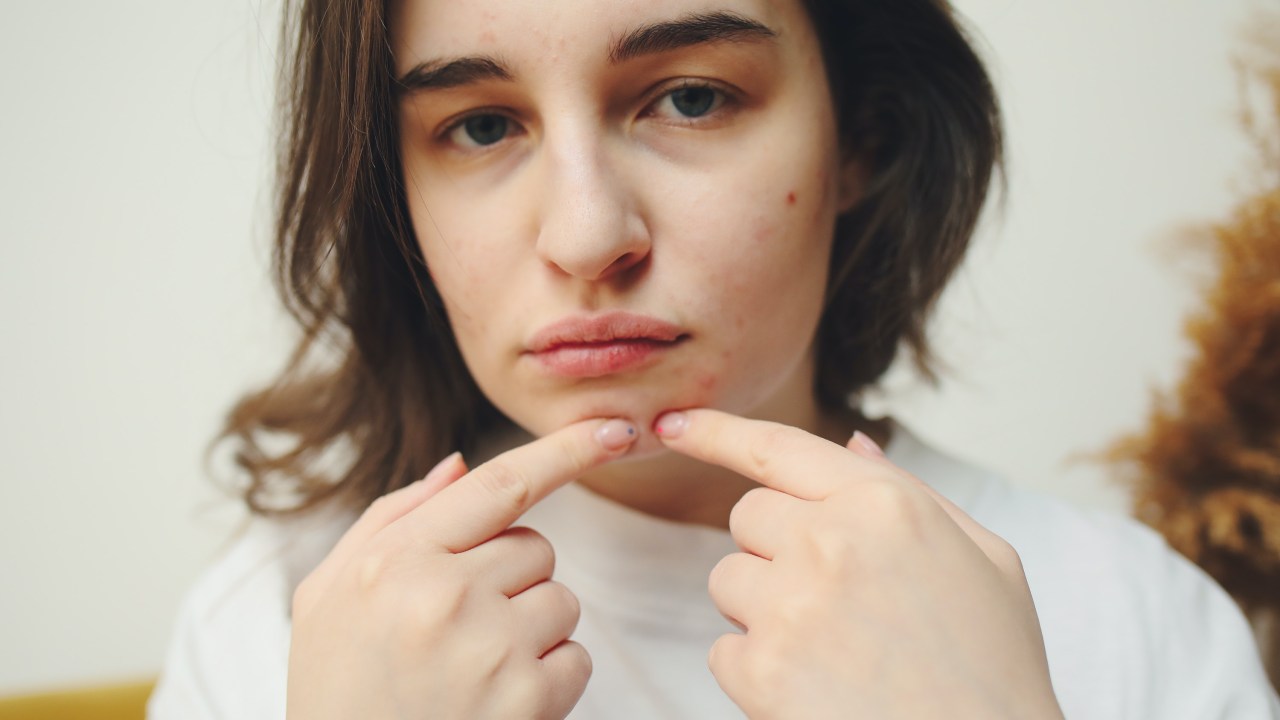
column 791, row 198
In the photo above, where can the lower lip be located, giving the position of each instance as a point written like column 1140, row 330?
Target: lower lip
column 600, row 359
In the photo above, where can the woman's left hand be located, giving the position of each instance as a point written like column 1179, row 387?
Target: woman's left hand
column 861, row 591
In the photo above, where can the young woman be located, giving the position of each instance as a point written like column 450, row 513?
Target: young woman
column 635, row 260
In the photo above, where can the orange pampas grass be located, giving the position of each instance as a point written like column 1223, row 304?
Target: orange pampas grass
column 1206, row 472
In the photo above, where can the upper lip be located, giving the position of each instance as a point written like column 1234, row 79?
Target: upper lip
column 603, row 329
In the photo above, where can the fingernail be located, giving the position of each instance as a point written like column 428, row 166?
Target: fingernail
column 865, row 441
column 671, row 425
column 441, row 466
column 616, row 434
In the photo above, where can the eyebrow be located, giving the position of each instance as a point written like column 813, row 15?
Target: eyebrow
column 660, row 37
column 696, row 29
column 443, row 74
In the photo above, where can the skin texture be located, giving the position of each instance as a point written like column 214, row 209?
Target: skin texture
column 605, row 198
column 856, row 587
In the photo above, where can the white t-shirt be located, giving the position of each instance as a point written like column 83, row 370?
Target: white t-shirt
column 1132, row 629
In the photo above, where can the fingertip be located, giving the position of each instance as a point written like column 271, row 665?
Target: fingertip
column 671, row 425
column 616, row 434
column 446, row 471
column 862, row 444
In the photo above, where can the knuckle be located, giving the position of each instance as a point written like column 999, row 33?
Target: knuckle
column 578, row 666
column 388, row 501
column 563, row 600
column 718, row 656
column 894, row 505
column 533, row 547
column 1006, row 558
column 581, row 456
column 437, row 610
column 774, row 441
column 521, row 697
column 579, row 662
column 371, row 570
column 549, row 689
column 304, row 596
column 716, row 580
column 507, row 485
column 832, row 543
column 377, row 508
column 543, row 550
column 761, row 668
column 791, row 613
column 751, row 504
column 571, row 601
column 489, row 654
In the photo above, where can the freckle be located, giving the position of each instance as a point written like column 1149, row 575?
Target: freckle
column 791, row 198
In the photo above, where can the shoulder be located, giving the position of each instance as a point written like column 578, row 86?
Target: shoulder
column 1131, row 628
column 228, row 655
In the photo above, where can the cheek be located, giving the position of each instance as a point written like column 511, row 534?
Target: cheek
column 462, row 259
column 706, row 383
column 757, row 263
column 760, row 264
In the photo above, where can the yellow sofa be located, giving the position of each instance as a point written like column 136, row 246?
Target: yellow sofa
column 122, row 701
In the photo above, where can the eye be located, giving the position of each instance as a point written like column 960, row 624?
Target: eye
column 480, row 130
column 690, row 101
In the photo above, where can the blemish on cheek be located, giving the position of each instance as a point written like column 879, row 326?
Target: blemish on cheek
column 791, row 198
column 706, row 382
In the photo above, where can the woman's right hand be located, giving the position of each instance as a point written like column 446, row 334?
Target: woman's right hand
column 431, row 605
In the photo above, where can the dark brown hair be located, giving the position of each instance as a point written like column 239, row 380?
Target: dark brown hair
column 376, row 391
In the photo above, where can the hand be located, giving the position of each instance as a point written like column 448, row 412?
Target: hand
column 862, row 592
column 432, row 606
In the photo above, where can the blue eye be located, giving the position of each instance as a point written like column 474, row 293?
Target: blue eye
column 483, row 129
column 693, row 101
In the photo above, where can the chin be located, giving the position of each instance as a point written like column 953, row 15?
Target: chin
column 639, row 407
column 648, row 446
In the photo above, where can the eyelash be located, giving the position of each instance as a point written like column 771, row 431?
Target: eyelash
column 722, row 98
column 725, row 101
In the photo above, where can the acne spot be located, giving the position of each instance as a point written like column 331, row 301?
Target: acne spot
column 706, row 381
column 791, row 198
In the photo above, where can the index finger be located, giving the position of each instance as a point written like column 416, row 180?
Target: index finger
column 487, row 500
column 775, row 455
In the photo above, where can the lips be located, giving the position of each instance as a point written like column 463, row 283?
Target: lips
column 584, row 347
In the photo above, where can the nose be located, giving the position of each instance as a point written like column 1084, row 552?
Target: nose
column 590, row 225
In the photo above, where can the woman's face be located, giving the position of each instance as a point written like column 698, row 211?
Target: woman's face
column 626, row 206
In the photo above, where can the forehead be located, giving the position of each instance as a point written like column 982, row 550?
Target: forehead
column 543, row 30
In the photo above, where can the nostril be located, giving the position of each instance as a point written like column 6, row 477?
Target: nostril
column 628, row 263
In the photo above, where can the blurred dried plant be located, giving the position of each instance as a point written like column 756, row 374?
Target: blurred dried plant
column 1206, row 470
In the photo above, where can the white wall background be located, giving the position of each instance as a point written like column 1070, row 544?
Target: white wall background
column 134, row 303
